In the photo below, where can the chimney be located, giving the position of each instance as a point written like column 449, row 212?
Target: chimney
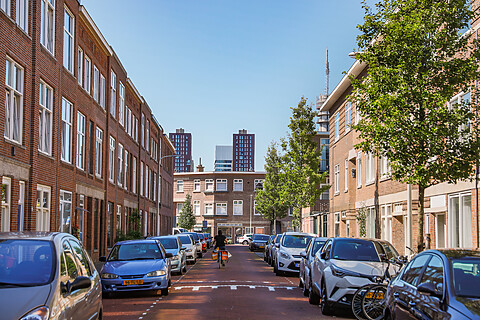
column 200, row 167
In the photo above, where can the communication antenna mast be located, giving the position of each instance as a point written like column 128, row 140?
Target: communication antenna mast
column 327, row 74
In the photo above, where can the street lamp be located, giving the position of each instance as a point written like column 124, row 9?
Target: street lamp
column 250, row 229
column 159, row 189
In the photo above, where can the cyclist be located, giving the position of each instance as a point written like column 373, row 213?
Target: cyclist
column 220, row 244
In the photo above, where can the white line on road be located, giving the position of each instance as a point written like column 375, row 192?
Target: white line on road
column 233, row 287
column 271, row 288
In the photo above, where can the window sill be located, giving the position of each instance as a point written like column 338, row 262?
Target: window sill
column 67, row 163
column 237, row 190
column 336, row 193
column 369, row 183
column 221, row 191
column 13, row 142
column 50, row 54
column 46, row 155
column 345, row 191
column 385, row 179
column 359, row 187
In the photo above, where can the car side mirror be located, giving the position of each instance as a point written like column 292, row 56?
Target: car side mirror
column 277, row 245
column 303, row 254
column 77, row 284
column 183, row 248
column 102, row 259
column 429, row 289
column 323, row 255
column 168, row 255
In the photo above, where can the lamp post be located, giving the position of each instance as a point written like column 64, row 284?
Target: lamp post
column 250, row 228
column 159, row 188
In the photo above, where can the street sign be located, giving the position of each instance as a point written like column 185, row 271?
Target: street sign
column 205, row 225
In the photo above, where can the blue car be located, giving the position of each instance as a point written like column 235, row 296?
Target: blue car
column 136, row 265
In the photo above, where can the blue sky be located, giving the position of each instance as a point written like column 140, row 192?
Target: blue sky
column 213, row 67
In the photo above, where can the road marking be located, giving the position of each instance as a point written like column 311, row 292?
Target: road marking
column 195, row 289
column 288, row 280
column 271, row 288
column 233, row 287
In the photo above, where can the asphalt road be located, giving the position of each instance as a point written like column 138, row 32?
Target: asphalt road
column 245, row 289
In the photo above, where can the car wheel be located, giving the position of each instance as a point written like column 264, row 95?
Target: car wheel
column 277, row 272
column 169, row 282
column 245, row 242
column 164, row 292
column 324, row 305
column 201, row 255
column 306, row 290
column 313, row 297
column 300, row 283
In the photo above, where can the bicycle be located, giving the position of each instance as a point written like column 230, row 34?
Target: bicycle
column 222, row 258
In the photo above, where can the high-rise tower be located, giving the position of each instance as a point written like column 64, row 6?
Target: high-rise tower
column 183, row 146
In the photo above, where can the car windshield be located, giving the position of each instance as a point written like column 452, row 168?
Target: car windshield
column 466, row 277
column 200, row 236
column 169, row 243
column 185, row 239
column 355, row 250
column 135, row 251
column 317, row 245
column 277, row 238
column 195, row 236
column 260, row 237
column 295, row 241
column 26, row 262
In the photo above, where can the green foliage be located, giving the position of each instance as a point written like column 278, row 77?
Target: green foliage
column 134, row 231
column 301, row 162
column 269, row 202
column 362, row 221
column 416, row 64
column 186, row 219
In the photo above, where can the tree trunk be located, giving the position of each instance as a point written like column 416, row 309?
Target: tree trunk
column 421, row 217
column 274, row 226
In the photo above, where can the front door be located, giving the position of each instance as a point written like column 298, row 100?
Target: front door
column 441, row 231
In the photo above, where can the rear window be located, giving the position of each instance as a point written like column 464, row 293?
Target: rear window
column 355, row 250
column 260, row 237
column 295, row 241
column 317, row 245
column 169, row 243
column 185, row 239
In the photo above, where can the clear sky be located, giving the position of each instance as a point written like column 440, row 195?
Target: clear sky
column 213, row 67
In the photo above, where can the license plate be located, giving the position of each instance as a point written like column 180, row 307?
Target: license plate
column 378, row 295
column 131, row 282
column 262, row 247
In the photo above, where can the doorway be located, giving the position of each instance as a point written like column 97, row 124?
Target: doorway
column 441, row 231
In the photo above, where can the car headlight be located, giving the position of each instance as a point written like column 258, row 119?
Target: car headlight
column 189, row 250
column 339, row 272
column 176, row 257
column 40, row 313
column 157, row 273
column 109, row 276
column 284, row 255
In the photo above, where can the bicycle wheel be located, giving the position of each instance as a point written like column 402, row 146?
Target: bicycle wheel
column 373, row 302
column 357, row 302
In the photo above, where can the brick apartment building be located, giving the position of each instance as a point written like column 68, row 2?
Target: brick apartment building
column 183, row 146
column 361, row 182
column 81, row 150
column 225, row 200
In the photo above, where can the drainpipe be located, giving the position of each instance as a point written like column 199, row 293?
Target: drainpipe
column 409, row 215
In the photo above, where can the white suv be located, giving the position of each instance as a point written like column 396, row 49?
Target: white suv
column 288, row 251
column 245, row 239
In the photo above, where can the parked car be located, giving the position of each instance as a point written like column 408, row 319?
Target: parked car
column 47, row 276
column 437, row 284
column 203, row 241
column 135, row 265
column 173, row 245
column 268, row 246
column 273, row 249
column 306, row 263
column 208, row 238
column 178, row 230
column 198, row 244
column 245, row 239
column 189, row 243
column 288, row 251
column 258, row 242
column 345, row 264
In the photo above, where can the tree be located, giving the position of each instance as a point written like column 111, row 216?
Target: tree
column 417, row 63
column 186, row 219
column 269, row 201
column 301, row 162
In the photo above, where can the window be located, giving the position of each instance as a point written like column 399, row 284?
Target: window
column 196, row 185
column 98, row 152
column 111, row 160
column 347, row 225
column 14, row 101
column 102, row 91
column 43, row 208
column 337, row 126
column 22, row 14
column 370, row 169
column 68, row 33
column 370, row 222
column 118, row 225
column 384, row 168
column 6, row 199
column 255, row 212
column 179, row 185
column 348, row 116
column 336, row 181
column 434, row 274
column 258, row 184
column 143, row 130
column 386, row 215
column 358, row 115
column 87, row 85
column 67, row 108
column 460, row 221
column 120, row 164
column 113, row 93
column 359, row 170
column 179, row 208
column 80, row 141
column 65, row 211
column 121, row 104
column 136, row 129
column 47, row 24
column 147, row 182
column 208, row 209
column 134, row 175
column 5, row 6
column 221, row 184
column 346, row 175
column 337, row 224
column 237, row 207
column 414, row 268
column 196, row 207
column 45, row 119
column 221, row 209
column 125, row 180
column 141, row 178
column 96, row 80
column 209, row 185
column 147, row 136
column 80, row 67
column 237, row 184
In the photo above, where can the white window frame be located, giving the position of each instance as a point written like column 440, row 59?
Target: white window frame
column 80, row 67
column 98, row 152
column 141, row 178
column 147, row 182
column 81, row 122
column 63, row 203
column 143, row 130
column 125, row 175
column 348, row 116
column 96, row 80
column 118, row 223
column 221, row 185
column 370, row 169
column 221, row 209
column 237, row 184
column 336, row 225
column 111, row 160
column 179, row 186
column 6, row 204
column 134, row 175
column 387, row 219
column 460, row 236
column 47, row 30
column 43, row 209
column 196, row 207
column 22, row 14
column 196, row 185
column 121, row 104
column 209, row 185
column 5, row 6
column 359, row 170
column 102, row 91
column 370, row 222
column 147, row 136
column 337, row 125
column 14, row 77
column 237, row 207
column 45, row 118
column 208, row 209
column 67, row 114
column 346, row 175
column 385, row 169
column 68, row 40
column 120, row 164
column 87, row 81
column 113, row 93
column 336, row 182
column 258, row 184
